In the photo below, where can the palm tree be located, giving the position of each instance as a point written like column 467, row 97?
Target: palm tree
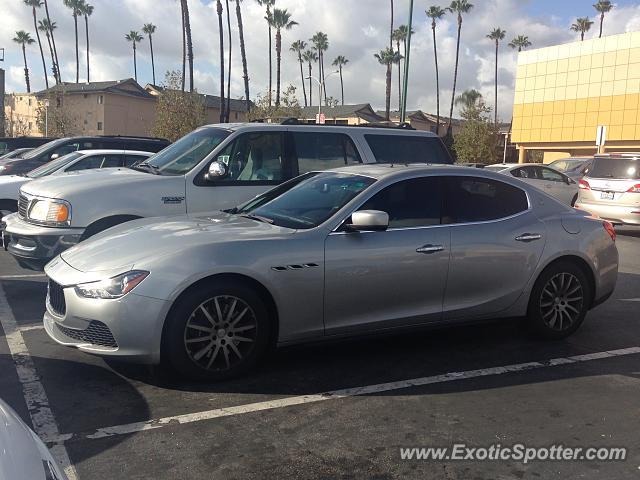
column 469, row 98
column 228, row 107
column 221, row 41
column 340, row 62
column 387, row 57
column 311, row 57
column 134, row 37
column 187, row 31
column 400, row 36
column 76, row 10
column 51, row 24
column 520, row 42
column 46, row 27
column 87, row 10
column 459, row 7
column 603, row 6
column 582, row 25
column 243, row 53
column 23, row 38
column 150, row 29
column 391, row 29
column 36, row 4
column 321, row 44
column 436, row 13
column 280, row 19
column 496, row 34
column 298, row 47
column 268, row 4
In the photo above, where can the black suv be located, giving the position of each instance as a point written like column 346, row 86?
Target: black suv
column 57, row 148
column 9, row 144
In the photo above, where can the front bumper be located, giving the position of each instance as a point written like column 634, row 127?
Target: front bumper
column 128, row 328
column 34, row 245
column 618, row 214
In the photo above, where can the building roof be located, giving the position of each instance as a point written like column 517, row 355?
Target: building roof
column 128, row 86
column 423, row 116
column 211, row 101
column 360, row 110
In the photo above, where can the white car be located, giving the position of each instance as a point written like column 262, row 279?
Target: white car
column 551, row 181
column 72, row 162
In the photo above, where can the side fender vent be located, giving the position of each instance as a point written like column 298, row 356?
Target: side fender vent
column 283, row 268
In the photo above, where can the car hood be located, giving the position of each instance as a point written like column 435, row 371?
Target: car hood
column 68, row 185
column 9, row 185
column 142, row 241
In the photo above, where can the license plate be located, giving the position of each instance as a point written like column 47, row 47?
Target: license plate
column 607, row 195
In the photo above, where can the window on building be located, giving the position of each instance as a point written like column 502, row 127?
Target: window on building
column 29, row 102
column 100, row 99
column 30, row 125
column 58, row 102
column 99, row 126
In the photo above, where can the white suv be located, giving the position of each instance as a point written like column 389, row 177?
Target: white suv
column 214, row 167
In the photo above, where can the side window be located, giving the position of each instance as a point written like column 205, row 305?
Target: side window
column 475, row 199
column 321, row 151
column 410, row 203
column 130, row 160
column 63, row 150
column 96, row 161
column 519, row 172
column 550, row 175
column 407, row 149
column 254, row 157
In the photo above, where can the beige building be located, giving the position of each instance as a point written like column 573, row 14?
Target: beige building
column 119, row 107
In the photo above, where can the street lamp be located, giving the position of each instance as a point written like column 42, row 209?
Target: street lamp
column 321, row 84
column 46, row 117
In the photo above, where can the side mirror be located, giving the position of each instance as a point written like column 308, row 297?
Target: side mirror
column 54, row 156
column 217, row 170
column 369, row 221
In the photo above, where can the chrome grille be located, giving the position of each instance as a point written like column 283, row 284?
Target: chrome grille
column 56, row 298
column 97, row 333
column 23, row 205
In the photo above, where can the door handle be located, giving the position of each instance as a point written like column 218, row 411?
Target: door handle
column 528, row 237
column 428, row 249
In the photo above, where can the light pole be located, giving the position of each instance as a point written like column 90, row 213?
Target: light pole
column 46, row 117
column 320, row 86
column 403, row 113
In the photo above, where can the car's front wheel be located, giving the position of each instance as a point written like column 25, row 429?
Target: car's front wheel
column 559, row 301
column 215, row 331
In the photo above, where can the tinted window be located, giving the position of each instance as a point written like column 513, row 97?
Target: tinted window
column 472, row 199
column 53, row 165
column 410, row 203
column 409, row 149
column 321, row 151
column 527, row 172
column 625, row 168
column 254, row 157
column 144, row 146
column 551, row 176
column 96, row 161
column 132, row 159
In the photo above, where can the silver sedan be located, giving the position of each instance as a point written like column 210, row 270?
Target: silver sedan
column 331, row 254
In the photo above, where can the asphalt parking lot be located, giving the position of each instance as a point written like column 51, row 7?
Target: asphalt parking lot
column 337, row 410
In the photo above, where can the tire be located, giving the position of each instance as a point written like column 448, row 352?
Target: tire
column 559, row 301
column 233, row 345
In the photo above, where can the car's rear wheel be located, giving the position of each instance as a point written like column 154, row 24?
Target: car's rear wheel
column 216, row 331
column 559, row 301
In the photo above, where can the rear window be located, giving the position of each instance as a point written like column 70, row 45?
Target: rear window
column 408, row 149
column 625, row 168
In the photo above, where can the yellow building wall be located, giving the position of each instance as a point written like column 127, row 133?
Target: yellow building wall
column 563, row 93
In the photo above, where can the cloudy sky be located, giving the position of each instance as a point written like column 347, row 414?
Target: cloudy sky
column 356, row 29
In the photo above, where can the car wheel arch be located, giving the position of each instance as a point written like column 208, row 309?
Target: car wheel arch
column 105, row 223
column 580, row 263
column 9, row 204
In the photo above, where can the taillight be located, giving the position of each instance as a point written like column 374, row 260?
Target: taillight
column 608, row 226
column 634, row 189
column 584, row 185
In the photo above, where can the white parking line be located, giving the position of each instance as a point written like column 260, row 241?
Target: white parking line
column 336, row 394
column 44, row 423
column 17, row 277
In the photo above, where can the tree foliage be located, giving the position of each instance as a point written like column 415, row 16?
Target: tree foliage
column 478, row 139
column 178, row 112
column 56, row 120
column 289, row 106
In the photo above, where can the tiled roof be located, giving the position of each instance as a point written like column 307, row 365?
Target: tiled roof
column 127, row 86
column 362, row 110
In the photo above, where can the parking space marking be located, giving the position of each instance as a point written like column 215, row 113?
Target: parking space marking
column 44, row 423
column 137, row 427
column 18, row 277
column 28, row 328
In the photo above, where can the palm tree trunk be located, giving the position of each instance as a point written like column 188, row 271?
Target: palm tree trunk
column 310, row 86
column 435, row 56
column 44, row 65
column 26, row 68
column 582, row 36
column 228, row 109
column 455, row 75
column 56, row 65
column 135, row 63
column 601, row 22
column 388, row 95
column 324, row 84
column 270, row 58
column 399, row 79
column 245, row 73
column 391, row 30
column 187, row 27
column 153, row 65
column 184, row 47
column 278, row 63
column 304, row 88
column 221, row 41
column 86, row 29
column 341, row 86
column 495, row 103
column 53, row 60
column 75, row 21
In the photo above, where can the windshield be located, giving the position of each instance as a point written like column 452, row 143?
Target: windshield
column 496, row 168
column 189, row 151
column 52, row 166
column 622, row 168
column 43, row 148
column 306, row 201
column 567, row 165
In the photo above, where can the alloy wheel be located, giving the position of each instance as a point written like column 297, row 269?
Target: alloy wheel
column 561, row 301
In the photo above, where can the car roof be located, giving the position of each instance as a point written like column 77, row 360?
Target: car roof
column 105, row 151
column 632, row 155
column 384, row 170
column 233, row 127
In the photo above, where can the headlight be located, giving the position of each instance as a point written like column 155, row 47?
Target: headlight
column 2, row 168
column 52, row 212
column 114, row 287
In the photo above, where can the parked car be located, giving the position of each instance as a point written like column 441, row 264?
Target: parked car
column 328, row 254
column 79, row 161
column 214, row 167
column 574, row 167
column 556, row 184
column 15, row 153
column 58, row 148
column 611, row 188
column 8, row 144
column 23, row 456
column 474, row 165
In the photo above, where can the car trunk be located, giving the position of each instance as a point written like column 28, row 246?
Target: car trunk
column 613, row 180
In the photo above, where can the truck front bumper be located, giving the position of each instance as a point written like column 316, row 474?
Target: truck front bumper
column 34, row 245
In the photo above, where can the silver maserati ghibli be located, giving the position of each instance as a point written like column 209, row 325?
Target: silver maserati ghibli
column 329, row 254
